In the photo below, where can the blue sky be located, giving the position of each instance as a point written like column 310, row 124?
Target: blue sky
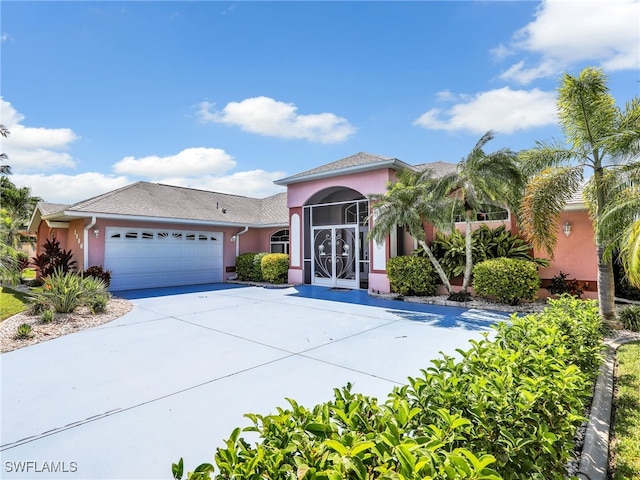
column 230, row 96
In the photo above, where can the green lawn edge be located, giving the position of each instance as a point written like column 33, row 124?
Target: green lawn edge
column 625, row 443
column 12, row 302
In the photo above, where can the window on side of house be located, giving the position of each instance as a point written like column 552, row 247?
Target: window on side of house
column 279, row 242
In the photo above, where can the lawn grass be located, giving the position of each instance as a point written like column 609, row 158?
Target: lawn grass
column 11, row 302
column 625, row 445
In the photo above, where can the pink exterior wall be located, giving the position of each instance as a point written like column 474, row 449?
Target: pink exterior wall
column 365, row 182
column 575, row 254
column 298, row 195
column 254, row 240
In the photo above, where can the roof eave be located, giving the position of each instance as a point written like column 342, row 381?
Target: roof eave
column 391, row 163
column 145, row 218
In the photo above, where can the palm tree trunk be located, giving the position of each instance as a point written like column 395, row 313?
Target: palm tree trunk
column 468, row 253
column 437, row 266
column 606, row 285
column 606, row 288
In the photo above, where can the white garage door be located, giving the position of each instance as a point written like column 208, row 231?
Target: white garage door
column 146, row 258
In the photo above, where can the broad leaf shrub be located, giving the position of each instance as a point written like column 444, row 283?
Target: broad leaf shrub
column 244, row 266
column 97, row 271
column 411, row 275
column 257, row 267
column 64, row 292
column 508, row 408
column 275, row 267
column 507, row 280
column 53, row 258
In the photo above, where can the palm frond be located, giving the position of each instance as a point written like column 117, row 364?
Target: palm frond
column 545, row 197
column 630, row 254
column 543, row 156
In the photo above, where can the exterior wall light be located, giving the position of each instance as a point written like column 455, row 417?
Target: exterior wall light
column 566, row 228
column 96, row 232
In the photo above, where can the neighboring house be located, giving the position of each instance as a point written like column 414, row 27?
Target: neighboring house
column 152, row 235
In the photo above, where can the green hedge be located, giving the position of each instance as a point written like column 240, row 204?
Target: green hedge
column 508, row 280
column 275, row 267
column 244, row 266
column 257, row 267
column 507, row 408
column 411, row 275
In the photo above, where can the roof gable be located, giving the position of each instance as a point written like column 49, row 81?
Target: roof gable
column 359, row 162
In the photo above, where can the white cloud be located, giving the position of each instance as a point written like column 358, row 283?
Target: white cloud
column 566, row 32
column 189, row 162
column 32, row 148
column 251, row 183
column 266, row 116
column 503, row 110
column 59, row 188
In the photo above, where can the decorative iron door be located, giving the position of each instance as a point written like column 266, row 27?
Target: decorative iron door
column 335, row 251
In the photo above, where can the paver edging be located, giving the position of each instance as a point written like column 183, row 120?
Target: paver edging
column 594, row 460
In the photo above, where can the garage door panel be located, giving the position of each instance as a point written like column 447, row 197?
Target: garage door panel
column 145, row 258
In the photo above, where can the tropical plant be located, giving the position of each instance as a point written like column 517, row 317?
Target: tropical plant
column 23, row 331
column 486, row 243
column 620, row 222
column 47, row 316
column 409, row 203
column 561, row 283
column 4, row 169
column 65, row 291
column 97, row 271
column 630, row 318
column 53, row 258
column 600, row 138
column 481, row 179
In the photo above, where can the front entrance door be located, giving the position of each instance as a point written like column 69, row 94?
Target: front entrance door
column 335, row 254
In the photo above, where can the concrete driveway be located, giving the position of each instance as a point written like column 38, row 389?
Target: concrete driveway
column 174, row 377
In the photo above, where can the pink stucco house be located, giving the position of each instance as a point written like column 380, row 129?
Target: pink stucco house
column 152, row 235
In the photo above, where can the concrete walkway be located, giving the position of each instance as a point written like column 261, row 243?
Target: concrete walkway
column 174, row 377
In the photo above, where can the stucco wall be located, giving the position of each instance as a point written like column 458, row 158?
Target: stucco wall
column 254, row 240
column 576, row 253
column 365, row 182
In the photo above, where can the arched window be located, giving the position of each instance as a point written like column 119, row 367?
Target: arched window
column 280, row 241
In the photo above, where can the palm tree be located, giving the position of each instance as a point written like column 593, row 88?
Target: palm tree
column 599, row 137
column 408, row 203
column 620, row 222
column 4, row 169
column 480, row 180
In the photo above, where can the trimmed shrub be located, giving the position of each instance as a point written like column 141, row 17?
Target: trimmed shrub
column 630, row 318
column 508, row 280
column 257, row 267
column 275, row 267
column 244, row 266
column 97, row 271
column 411, row 275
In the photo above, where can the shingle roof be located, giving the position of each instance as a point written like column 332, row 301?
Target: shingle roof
column 439, row 168
column 355, row 163
column 153, row 200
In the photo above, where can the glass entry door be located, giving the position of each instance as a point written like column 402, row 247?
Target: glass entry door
column 335, row 251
